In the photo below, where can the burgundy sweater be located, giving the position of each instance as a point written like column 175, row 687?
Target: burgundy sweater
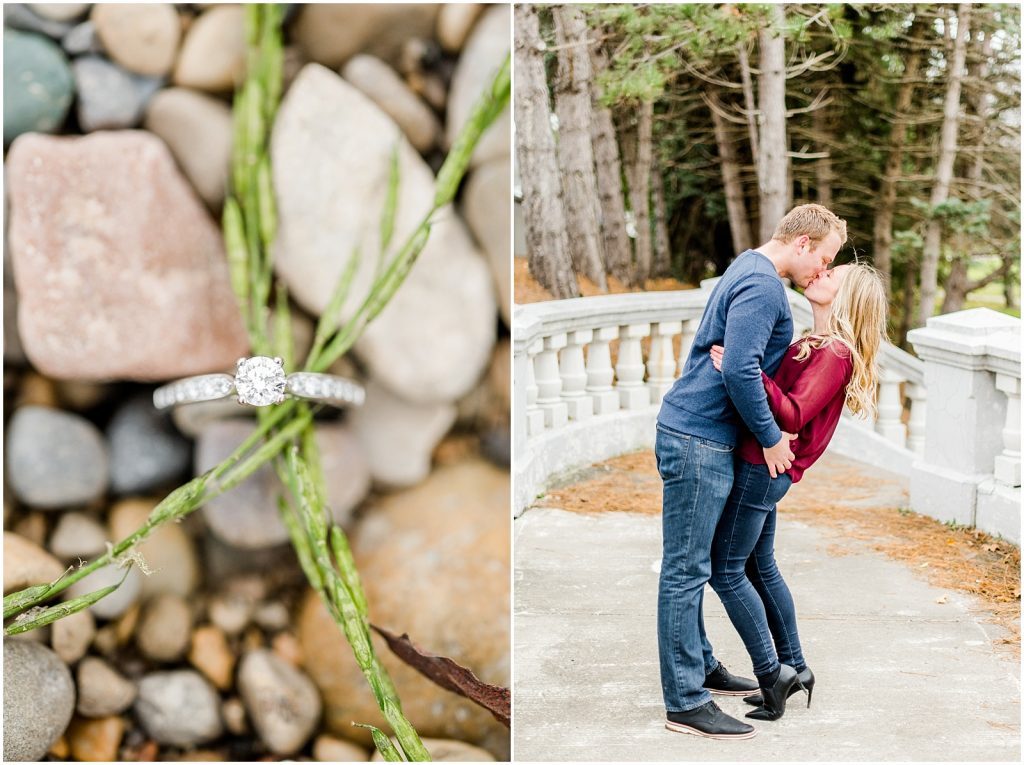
column 807, row 399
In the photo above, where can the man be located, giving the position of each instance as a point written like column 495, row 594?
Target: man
column 749, row 314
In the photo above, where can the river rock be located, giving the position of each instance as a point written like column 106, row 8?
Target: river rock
column 179, row 708
column 39, row 697
column 145, row 450
column 330, row 749
column 147, row 270
column 382, row 85
column 212, row 56
column 71, row 636
column 247, row 516
column 38, row 86
column 82, row 39
column 164, row 628
column 397, row 437
column 454, row 23
column 110, row 98
column 118, row 601
column 26, row 563
column 169, row 551
column 95, row 740
column 447, row 750
column 55, row 458
column 60, row 11
column 197, row 129
column 141, row 37
column 331, row 151
column 282, row 702
column 22, row 16
column 331, row 33
column 102, row 690
column 435, row 564
column 211, row 655
column 78, row 535
column 487, row 206
column 485, row 50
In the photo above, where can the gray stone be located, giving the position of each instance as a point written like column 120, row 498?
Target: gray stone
column 197, row 129
column 82, row 39
column 331, row 33
column 179, row 708
column 38, row 86
column 397, row 437
column 113, row 283
column 331, row 151
column 118, row 601
column 24, row 17
column 71, row 636
column 282, row 702
column 77, row 535
column 60, row 11
column 212, row 57
column 54, row 458
column 145, row 450
column 248, row 516
column 102, row 690
column 487, row 47
column 164, row 628
column 143, row 38
column 382, row 85
column 454, row 24
column 109, row 98
column 487, row 205
column 39, row 697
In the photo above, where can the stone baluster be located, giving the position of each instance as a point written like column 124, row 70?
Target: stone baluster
column 689, row 331
column 574, row 375
column 661, row 362
column 890, row 408
column 549, row 382
column 534, row 414
column 1007, row 464
column 916, row 426
column 600, row 373
column 633, row 394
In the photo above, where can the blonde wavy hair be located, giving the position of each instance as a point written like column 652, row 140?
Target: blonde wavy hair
column 857, row 320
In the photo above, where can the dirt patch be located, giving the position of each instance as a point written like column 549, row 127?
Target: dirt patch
column 850, row 499
column 529, row 290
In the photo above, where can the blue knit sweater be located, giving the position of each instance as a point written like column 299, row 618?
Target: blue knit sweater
column 749, row 314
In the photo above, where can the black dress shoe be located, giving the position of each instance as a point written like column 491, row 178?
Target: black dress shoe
column 774, row 696
column 724, row 683
column 806, row 678
column 708, row 721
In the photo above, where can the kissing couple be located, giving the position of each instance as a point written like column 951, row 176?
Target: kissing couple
column 751, row 412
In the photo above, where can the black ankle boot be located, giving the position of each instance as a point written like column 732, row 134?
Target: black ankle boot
column 806, row 680
column 774, row 696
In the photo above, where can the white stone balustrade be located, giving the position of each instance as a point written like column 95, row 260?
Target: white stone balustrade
column 574, row 375
column 549, row 381
column 661, row 361
column 629, row 370
column 600, row 373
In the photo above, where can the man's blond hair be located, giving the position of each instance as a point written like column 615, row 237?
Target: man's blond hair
column 814, row 220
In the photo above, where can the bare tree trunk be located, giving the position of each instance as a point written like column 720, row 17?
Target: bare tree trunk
column 638, row 148
column 748, row 98
column 773, row 167
column 890, row 178
column 909, row 289
column 546, row 240
column 662, row 249
column 823, row 167
column 736, row 208
column 944, row 169
column 618, row 249
column 575, row 153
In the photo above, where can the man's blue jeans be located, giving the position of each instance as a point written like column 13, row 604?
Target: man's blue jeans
column 697, row 474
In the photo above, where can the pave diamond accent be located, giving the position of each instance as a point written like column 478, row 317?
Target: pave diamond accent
column 260, row 381
column 313, row 385
column 200, row 388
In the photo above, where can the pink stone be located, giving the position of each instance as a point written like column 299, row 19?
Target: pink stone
column 120, row 271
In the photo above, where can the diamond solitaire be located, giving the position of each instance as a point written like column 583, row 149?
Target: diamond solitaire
column 261, row 381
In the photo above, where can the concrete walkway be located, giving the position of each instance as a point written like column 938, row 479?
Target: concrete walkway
column 900, row 677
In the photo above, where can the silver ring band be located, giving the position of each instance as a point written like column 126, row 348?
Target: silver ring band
column 260, row 381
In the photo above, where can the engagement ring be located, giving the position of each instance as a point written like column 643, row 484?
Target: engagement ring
column 260, row 381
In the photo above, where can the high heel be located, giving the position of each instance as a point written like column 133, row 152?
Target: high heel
column 806, row 680
column 774, row 696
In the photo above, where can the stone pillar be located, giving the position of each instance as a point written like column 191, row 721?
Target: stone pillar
column 1007, row 464
column 889, row 424
column 916, row 426
column 962, row 354
column 534, row 414
column 661, row 363
column 574, row 376
column 600, row 373
column 686, row 342
column 549, row 382
column 633, row 394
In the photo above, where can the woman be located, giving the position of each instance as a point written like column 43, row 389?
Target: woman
column 835, row 365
